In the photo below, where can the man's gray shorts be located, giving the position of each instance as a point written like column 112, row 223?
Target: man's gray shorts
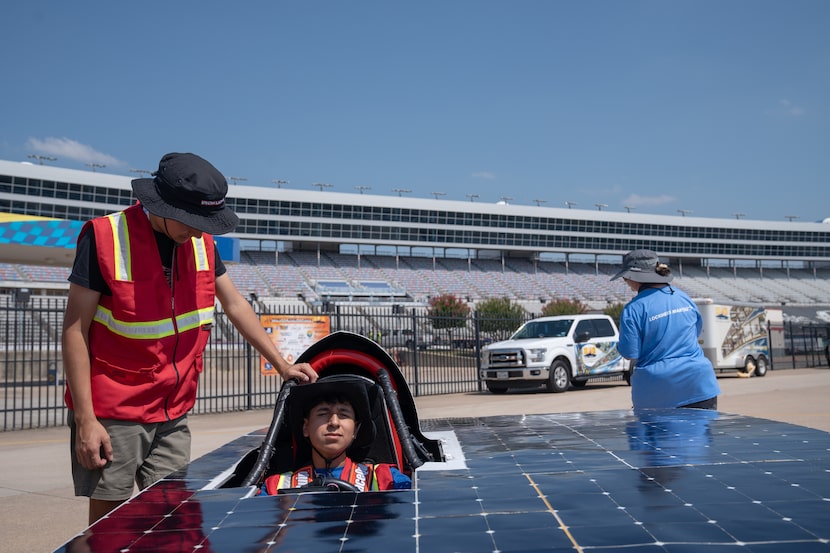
column 141, row 454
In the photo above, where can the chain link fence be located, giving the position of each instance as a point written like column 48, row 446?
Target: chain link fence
column 433, row 360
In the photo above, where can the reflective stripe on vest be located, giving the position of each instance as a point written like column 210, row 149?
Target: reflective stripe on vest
column 149, row 330
column 154, row 330
column 200, row 254
column 121, row 237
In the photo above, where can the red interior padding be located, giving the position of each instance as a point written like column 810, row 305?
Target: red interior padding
column 348, row 357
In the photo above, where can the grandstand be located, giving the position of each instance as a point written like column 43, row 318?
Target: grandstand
column 303, row 248
column 297, row 280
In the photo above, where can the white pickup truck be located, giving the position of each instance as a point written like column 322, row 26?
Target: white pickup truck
column 555, row 352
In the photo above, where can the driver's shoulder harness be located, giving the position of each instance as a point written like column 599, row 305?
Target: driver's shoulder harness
column 366, row 477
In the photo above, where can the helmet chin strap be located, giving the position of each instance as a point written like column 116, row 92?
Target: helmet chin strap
column 330, row 460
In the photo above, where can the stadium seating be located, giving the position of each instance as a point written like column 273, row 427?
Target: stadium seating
column 291, row 277
column 10, row 272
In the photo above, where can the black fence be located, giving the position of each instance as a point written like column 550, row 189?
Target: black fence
column 433, row 360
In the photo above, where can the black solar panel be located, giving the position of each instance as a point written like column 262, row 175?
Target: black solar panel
column 614, row 481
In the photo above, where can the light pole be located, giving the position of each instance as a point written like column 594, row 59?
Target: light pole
column 438, row 194
column 791, row 217
column 41, row 159
column 738, row 215
column 506, row 199
column 141, row 172
column 600, row 206
column 279, row 182
column 472, row 197
column 95, row 166
column 683, row 212
column 237, row 180
column 628, row 208
column 401, row 191
column 362, row 188
column 322, row 185
column 570, row 204
column 540, row 202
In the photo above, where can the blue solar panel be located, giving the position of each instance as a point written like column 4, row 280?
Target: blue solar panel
column 614, row 481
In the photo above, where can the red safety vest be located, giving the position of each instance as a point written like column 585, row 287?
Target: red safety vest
column 146, row 340
column 364, row 477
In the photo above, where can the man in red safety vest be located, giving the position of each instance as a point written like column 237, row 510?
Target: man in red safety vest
column 138, row 318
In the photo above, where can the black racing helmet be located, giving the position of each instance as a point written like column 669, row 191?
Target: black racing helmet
column 336, row 387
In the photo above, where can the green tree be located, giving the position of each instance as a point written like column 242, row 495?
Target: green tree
column 447, row 311
column 614, row 311
column 500, row 315
column 564, row 307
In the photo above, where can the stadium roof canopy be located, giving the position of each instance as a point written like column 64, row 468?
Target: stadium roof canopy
column 291, row 219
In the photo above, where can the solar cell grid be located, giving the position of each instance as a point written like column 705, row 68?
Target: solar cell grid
column 662, row 481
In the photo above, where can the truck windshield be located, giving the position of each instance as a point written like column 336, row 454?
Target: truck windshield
column 543, row 329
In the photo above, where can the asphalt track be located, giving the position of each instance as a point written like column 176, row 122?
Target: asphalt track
column 38, row 511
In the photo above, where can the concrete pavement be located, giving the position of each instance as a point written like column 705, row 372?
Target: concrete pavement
column 38, row 511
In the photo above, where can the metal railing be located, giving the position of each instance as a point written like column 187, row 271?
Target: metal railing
column 32, row 377
column 433, row 361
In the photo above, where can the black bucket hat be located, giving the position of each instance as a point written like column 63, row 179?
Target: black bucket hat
column 348, row 387
column 640, row 266
column 188, row 189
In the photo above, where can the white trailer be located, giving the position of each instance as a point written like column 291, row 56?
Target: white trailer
column 737, row 336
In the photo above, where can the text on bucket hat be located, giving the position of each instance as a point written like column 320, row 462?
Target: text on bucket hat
column 188, row 189
column 640, row 266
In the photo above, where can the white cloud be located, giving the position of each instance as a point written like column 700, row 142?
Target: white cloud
column 791, row 109
column 636, row 200
column 483, row 175
column 66, row 148
column 787, row 108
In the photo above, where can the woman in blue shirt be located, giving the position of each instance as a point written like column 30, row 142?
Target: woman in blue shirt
column 659, row 332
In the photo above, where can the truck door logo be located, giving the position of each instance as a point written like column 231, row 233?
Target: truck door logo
column 597, row 358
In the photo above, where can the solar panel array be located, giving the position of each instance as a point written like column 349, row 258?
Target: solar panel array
column 615, row 481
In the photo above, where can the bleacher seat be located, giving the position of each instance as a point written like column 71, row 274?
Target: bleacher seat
column 311, row 276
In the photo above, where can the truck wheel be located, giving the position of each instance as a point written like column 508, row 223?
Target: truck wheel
column 761, row 366
column 627, row 377
column 496, row 389
column 560, row 377
column 748, row 368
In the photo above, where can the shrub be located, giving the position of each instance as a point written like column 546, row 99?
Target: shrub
column 499, row 315
column 614, row 311
column 447, row 311
column 564, row 307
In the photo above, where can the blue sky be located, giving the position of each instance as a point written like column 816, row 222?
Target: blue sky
column 712, row 107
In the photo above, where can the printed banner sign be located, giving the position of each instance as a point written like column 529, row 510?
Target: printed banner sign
column 292, row 335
